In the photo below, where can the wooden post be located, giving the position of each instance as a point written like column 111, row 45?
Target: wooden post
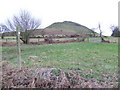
column 38, row 39
column 6, row 40
column 18, row 47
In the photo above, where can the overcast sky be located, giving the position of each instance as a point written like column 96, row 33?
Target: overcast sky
column 85, row 12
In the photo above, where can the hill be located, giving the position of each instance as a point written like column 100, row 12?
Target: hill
column 68, row 28
column 62, row 28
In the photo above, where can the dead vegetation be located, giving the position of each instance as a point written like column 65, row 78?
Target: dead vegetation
column 105, row 41
column 47, row 78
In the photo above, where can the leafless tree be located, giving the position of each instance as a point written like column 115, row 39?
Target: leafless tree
column 99, row 26
column 102, row 39
column 26, row 24
column 3, row 29
column 115, row 31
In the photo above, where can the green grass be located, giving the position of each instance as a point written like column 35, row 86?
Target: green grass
column 9, row 37
column 97, row 57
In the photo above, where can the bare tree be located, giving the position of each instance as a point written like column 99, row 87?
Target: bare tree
column 115, row 31
column 3, row 29
column 102, row 39
column 26, row 23
column 99, row 26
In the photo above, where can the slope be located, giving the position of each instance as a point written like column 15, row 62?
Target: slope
column 68, row 28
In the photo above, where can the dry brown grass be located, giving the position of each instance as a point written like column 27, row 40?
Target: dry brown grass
column 46, row 78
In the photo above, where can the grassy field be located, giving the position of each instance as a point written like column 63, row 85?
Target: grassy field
column 91, row 58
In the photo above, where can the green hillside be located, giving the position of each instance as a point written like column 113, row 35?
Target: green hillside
column 68, row 27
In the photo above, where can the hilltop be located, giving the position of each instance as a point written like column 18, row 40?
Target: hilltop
column 68, row 28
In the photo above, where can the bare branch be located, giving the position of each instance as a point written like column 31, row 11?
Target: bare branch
column 25, row 22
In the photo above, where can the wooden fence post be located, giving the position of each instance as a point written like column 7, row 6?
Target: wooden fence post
column 18, row 47
column 6, row 40
column 38, row 39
